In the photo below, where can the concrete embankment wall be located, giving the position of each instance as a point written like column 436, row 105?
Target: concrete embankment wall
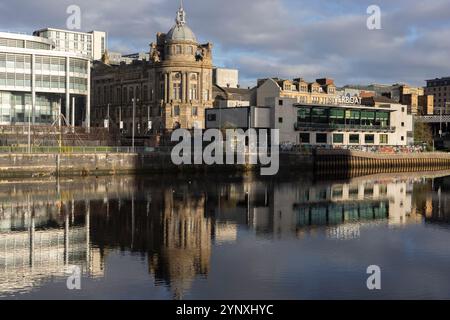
column 32, row 165
column 362, row 163
column 66, row 164
column 324, row 161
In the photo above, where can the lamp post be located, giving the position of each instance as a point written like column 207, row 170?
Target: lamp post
column 107, row 116
column 133, row 127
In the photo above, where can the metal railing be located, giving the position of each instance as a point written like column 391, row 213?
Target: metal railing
column 75, row 150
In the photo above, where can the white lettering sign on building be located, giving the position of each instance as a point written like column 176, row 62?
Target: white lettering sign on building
column 349, row 100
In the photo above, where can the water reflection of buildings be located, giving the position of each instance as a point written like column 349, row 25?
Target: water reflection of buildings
column 174, row 224
column 186, row 240
column 294, row 208
column 433, row 200
column 40, row 236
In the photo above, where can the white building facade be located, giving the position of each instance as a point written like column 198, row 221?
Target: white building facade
column 224, row 77
column 321, row 125
column 93, row 43
column 341, row 125
column 38, row 83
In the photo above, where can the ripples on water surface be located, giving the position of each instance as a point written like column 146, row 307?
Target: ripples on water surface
column 221, row 237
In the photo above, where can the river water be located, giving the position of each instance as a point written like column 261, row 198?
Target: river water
column 225, row 237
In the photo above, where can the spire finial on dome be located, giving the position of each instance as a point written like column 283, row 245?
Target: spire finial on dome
column 181, row 15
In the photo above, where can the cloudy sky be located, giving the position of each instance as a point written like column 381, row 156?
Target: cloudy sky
column 284, row 38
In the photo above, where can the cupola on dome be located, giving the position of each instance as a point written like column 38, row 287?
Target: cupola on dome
column 180, row 31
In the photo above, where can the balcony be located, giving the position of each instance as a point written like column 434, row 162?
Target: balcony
column 305, row 126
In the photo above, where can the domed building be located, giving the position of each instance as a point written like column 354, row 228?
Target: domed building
column 172, row 88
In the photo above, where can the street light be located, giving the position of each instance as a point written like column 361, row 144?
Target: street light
column 133, row 129
column 107, row 118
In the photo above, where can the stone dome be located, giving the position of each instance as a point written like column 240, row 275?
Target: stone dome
column 180, row 31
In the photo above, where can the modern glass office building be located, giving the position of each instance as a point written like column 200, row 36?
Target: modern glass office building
column 38, row 82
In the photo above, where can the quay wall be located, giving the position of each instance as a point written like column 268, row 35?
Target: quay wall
column 321, row 161
column 362, row 163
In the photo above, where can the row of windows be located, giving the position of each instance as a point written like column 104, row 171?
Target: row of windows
column 179, row 49
column 439, row 83
column 337, row 213
column 176, row 111
column 78, row 66
column 79, row 84
column 67, row 35
column 15, row 79
column 14, row 99
column 305, row 88
column 42, row 81
column 15, row 61
column 124, row 112
column 343, row 116
column 17, row 43
column 17, row 108
column 338, row 138
column 107, row 95
column 42, row 63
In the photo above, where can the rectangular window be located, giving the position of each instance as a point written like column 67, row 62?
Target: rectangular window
column 353, row 117
column 338, row 138
column 304, row 137
column 319, row 115
column 194, row 111
column 280, row 120
column 303, row 114
column 369, row 139
column 367, row 118
column 337, row 116
column 321, row 138
column 384, row 139
column 354, row 138
column 382, row 119
column 177, row 91
column 176, row 111
column 193, row 92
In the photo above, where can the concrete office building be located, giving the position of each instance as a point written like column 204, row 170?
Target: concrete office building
column 439, row 88
column 38, row 82
column 93, row 43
